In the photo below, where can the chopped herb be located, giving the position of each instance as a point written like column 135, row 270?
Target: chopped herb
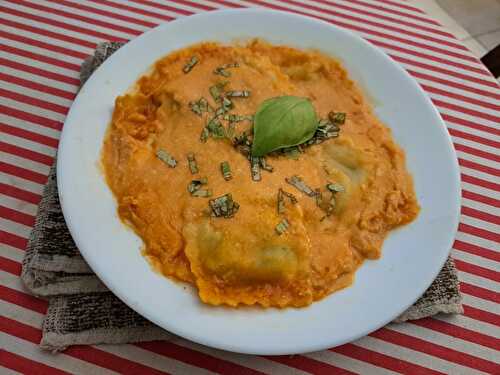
column 243, row 144
column 231, row 129
column 238, row 94
column 335, row 188
column 264, row 165
column 289, row 196
column 190, row 64
column 255, row 168
column 217, row 90
column 196, row 185
column 226, row 170
column 282, row 226
column 326, row 130
column 193, row 166
column 337, row 117
column 165, row 157
column 236, row 118
column 204, row 134
column 281, row 202
column 226, row 106
column 223, row 206
column 216, row 129
column 297, row 182
column 221, row 70
column 202, row 193
column 200, row 106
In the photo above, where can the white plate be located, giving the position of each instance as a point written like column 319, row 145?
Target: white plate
column 412, row 255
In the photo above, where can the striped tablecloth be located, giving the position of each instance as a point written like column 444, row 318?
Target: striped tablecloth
column 43, row 42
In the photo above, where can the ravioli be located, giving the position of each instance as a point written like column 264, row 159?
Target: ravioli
column 260, row 252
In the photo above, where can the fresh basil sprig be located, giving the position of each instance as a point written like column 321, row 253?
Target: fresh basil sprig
column 282, row 122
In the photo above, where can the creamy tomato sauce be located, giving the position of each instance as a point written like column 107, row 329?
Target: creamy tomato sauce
column 242, row 260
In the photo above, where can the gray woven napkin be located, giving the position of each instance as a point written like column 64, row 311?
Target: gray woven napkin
column 83, row 311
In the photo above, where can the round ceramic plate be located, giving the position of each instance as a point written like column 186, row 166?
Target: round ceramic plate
column 412, row 255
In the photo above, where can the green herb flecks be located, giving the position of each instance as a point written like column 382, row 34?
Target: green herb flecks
column 226, row 170
column 202, row 193
column 193, row 165
column 297, row 182
column 264, row 165
column 236, row 118
column 231, row 130
column 165, row 157
column 222, row 70
column 243, row 144
column 195, row 185
column 337, row 117
column 329, row 206
column 282, row 227
column 200, row 106
column 205, row 133
column 238, row 94
column 255, row 168
column 216, row 129
column 282, row 194
column 223, row 206
column 335, row 187
column 226, row 106
column 283, row 122
column 217, row 90
column 190, row 64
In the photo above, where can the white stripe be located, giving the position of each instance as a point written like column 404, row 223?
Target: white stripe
column 8, row 371
column 348, row 363
column 472, row 118
column 39, row 79
column 479, row 174
column 474, row 144
column 465, row 105
column 469, row 323
column 33, row 109
column 476, row 260
column 479, row 241
column 41, row 51
column 94, row 16
column 14, row 227
column 39, row 64
column 254, row 362
column 24, row 163
column 481, row 304
column 27, row 125
column 481, row 224
column 21, row 183
column 28, row 145
column 478, row 159
column 444, row 340
column 401, row 9
column 481, row 206
column 480, row 190
column 13, row 282
column 18, row 205
column 47, row 39
column 471, row 130
column 54, row 99
column 152, row 360
column 413, row 356
column 476, row 280
column 66, row 20
column 12, row 253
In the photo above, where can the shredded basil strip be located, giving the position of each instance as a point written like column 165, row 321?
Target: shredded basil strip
column 282, row 226
column 297, row 182
column 223, row 206
column 255, row 168
column 226, row 170
column 165, row 157
column 190, row 64
column 193, row 165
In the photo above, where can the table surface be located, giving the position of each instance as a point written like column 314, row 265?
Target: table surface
column 42, row 44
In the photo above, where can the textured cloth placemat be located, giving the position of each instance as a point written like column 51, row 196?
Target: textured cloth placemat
column 83, row 311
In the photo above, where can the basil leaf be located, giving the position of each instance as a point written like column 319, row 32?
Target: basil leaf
column 282, row 122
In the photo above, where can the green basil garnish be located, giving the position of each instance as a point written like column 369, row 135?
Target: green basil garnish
column 282, row 122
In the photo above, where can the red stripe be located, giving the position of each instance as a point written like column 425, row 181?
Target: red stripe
column 469, row 124
column 477, row 270
column 40, row 44
column 141, row 11
column 393, row 11
column 480, row 182
column 37, row 86
column 27, row 154
column 480, row 198
column 106, row 13
column 85, row 353
column 23, row 173
column 20, row 194
column 309, row 365
column 25, row 116
column 476, row 152
column 398, row 30
column 39, row 72
column 479, row 232
column 404, row 6
column 436, row 350
column 18, row 217
column 60, row 24
column 457, row 85
column 453, row 73
column 382, row 360
column 468, row 111
column 26, row 366
column 458, row 332
column 33, row 101
column 47, row 33
column 462, row 98
column 76, row 16
column 38, row 57
column 169, row 8
column 479, row 167
column 474, row 138
column 35, row 137
column 13, row 240
column 481, row 315
column 10, row 266
column 479, row 292
column 476, row 250
column 485, row 216
column 193, row 357
column 23, row 299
